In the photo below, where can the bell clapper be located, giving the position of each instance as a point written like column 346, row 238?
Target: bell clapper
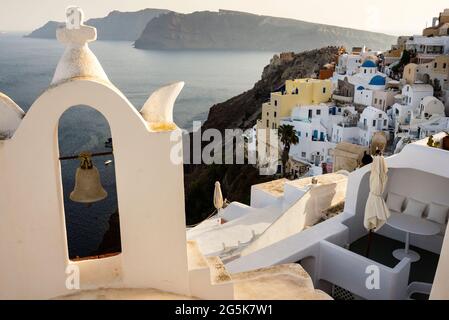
column 86, row 160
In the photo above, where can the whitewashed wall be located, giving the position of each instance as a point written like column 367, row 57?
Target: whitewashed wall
column 33, row 242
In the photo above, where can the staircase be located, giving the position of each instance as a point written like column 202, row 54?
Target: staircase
column 208, row 276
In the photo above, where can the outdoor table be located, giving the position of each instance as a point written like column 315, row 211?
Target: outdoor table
column 411, row 225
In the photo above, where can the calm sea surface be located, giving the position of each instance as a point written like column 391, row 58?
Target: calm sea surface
column 26, row 69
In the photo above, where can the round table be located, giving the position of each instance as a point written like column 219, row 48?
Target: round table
column 410, row 224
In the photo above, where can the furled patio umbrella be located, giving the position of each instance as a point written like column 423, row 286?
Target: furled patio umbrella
column 218, row 197
column 376, row 210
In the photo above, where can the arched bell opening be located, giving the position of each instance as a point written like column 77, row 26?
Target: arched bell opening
column 89, row 184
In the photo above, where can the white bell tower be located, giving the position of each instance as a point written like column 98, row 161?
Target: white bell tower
column 150, row 187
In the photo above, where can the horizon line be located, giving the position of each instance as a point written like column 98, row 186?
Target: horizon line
column 388, row 33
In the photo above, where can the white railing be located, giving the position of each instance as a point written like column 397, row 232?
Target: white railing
column 351, row 271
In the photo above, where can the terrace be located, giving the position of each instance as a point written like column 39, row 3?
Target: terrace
column 334, row 252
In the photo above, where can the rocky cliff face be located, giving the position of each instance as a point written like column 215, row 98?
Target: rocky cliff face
column 125, row 26
column 230, row 30
column 243, row 110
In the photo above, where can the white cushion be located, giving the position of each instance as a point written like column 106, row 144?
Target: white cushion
column 437, row 213
column 395, row 202
column 415, row 208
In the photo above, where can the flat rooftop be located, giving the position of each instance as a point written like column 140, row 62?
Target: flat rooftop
column 276, row 187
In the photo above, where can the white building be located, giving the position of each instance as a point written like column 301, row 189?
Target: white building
column 314, row 126
column 346, row 132
column 348, row 64
column 409, row 103
column 311, row 126
column 428, row 119
column 430, row 128
column 372, row 120
column 429, row 107
column 365, row 95
column 361, row 129
column 363, row 83
column 428, row 48
column 415, row 93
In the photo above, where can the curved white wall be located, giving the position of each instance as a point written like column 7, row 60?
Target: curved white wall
column 33, row 243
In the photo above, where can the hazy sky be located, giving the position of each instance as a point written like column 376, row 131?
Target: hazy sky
column 389, row 16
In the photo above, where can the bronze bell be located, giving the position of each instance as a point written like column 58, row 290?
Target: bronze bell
column 88, row 188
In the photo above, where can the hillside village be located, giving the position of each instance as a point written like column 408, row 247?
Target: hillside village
column 366, row 101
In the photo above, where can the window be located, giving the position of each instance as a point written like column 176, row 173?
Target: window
column 268, row 123
column 374, row 123
column 375, row 101
column 275, row 114
column 318, row 112
column 324, row 90
column 299, row 133
column 268, row 114
column 435, row 65
column 380, row 101
column 364, row 70
column 296, row 91
column 380, row 115
column 444, row 65
column 385, row 123
column 303, row 154
column 275, row 103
